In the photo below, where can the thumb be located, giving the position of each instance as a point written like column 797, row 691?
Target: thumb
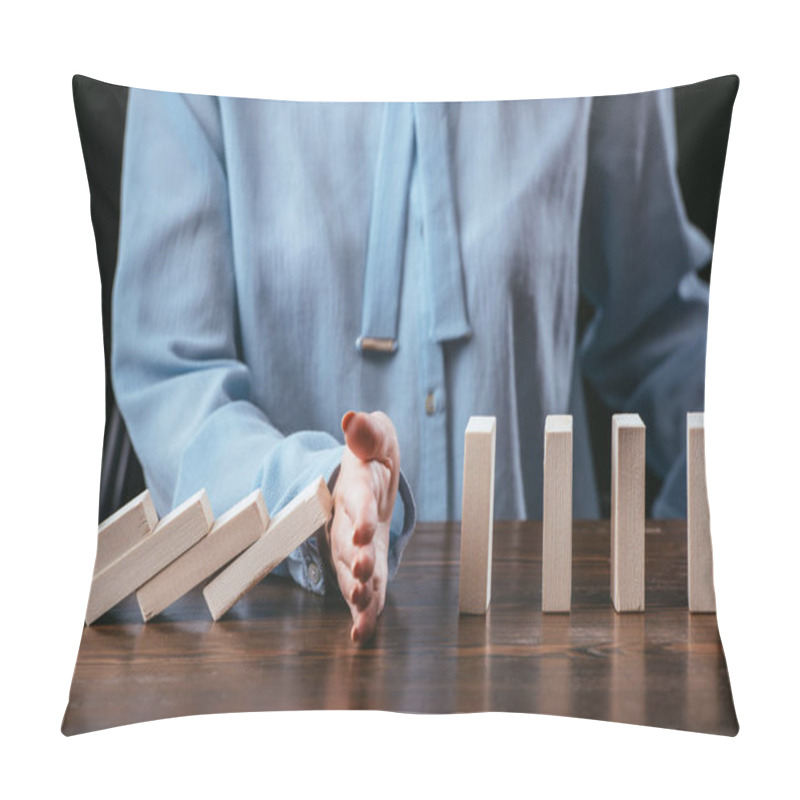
column 371, row 437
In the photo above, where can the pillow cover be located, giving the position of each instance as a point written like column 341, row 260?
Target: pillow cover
column 268, row 267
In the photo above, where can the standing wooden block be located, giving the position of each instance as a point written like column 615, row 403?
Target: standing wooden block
column 124, row 529
column 175, row 534
column 557, row 514
column 627, row 512
column 477, row 516
column 698, row 525
column 233, row 532
column 298, row 520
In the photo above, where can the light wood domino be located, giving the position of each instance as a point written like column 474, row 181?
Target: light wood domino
column 175, row 534
column 557, row 515
column 477, row 516
column 290, row 527
column 700, row 566
column 627, row 512
column 232, row 533
column 124, row 529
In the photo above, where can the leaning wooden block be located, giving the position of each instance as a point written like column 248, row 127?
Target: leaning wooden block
column 290, row 527
column 557, row 514
column 232, row 533
column 627, row 512
column 175, row 534
column 124, row 529
column 700, row 568
column 477, row 516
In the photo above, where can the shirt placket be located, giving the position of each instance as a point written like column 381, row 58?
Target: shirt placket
column 434, row 468
column 414, row 193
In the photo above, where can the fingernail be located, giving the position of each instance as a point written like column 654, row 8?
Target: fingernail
column 347, row 419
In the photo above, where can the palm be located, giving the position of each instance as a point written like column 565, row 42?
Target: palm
column 364, row 499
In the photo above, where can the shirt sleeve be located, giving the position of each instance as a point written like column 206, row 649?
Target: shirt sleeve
column 181, row 382
column 644, row 350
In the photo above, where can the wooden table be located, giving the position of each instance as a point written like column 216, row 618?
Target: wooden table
column 283, row 648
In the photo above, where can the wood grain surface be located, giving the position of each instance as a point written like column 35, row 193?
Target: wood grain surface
column 282, row 648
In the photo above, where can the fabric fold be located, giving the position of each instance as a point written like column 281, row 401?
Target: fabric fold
column 383, row 273
column 409, row 129
column 444, row 267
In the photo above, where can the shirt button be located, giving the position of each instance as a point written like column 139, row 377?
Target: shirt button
column 313, row 573
column 430, row 404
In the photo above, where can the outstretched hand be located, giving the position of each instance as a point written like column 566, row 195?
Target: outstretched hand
column 363, row 501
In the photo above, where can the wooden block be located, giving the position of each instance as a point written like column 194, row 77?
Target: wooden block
column 627, row 512
column 232, row 533
column 124, row 529
column 557, row 515
column 175, row 534
column 700, row 568
column 477, row 516
column 298, row 520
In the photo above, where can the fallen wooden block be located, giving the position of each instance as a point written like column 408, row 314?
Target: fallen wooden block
column 124, row 529
column 293, row 524
column 175, row 534
column 700, row 569
column 557, row 515
column 232, row 533
column 627, row 512
column 477, row 516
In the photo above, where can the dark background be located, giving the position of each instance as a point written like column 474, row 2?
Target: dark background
column 703, row 114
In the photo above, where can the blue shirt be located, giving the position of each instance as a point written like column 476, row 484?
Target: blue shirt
column 281, row 263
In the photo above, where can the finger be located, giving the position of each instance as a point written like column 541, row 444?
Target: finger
column 366, row 522
column 364, row 626
column 360, row 505
column 373, row 437
column 342, row 547
column 354, row 564
column 391, row 460
column 362, row 595
column 364, row 563
column 350, row 589
column 365, row 622
column 344, row 554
